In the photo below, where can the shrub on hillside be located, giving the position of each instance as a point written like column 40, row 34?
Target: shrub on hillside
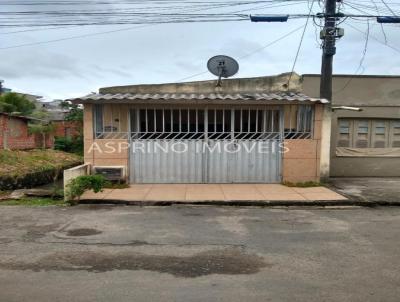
column 71, row 145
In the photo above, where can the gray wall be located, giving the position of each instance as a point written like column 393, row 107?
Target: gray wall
column 276, row 83
column 379, row 97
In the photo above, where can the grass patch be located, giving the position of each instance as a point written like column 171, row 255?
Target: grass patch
column 34, row 202
column 307, row 184
column 21, row 162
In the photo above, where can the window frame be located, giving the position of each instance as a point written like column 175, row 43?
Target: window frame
column 391, row 126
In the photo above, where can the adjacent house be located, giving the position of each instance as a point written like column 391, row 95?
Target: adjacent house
column 365, row 143
column 250, row 130
column 57, row 114
column 14, row 133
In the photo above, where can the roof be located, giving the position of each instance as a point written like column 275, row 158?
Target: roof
column 254, row 98
column 22, row 117
column 373, row 76
column 258, row 90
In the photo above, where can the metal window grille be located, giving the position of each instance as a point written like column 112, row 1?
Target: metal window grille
column 299, row 122
column 210, row 123
column 239, row 123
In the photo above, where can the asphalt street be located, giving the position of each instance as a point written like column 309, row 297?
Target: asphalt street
column 184, row 253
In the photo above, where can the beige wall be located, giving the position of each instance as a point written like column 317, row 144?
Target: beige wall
column 300, row 162
column 99, row 152
column 302, row 156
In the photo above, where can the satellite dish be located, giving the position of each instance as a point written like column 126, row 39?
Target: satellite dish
column 222, row 67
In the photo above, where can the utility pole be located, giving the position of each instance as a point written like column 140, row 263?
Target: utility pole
column 329, row 49
column 328, row 34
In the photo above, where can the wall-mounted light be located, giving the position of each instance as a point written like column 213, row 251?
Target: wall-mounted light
column 346, row 108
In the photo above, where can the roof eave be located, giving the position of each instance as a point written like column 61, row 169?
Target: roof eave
column 203, row 101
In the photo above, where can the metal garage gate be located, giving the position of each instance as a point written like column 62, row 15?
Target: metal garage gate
column 206, row 145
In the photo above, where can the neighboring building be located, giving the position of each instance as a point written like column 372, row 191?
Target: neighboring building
column 365, row 143
column 247, row 131
column 57, row 114
column 68, row 129
column 14, row 133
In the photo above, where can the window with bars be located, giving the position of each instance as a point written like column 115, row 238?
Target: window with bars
column 261, row 122
column 213, row 123
column 298, row 121
column 368, row 133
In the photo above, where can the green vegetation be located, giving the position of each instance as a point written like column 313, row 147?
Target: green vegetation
column 74, row 144
column 34, row 202
column 307, row 184
column 75, row 112
column 42, row 129
column 80, row 184
column 17, row 163
column 14, row 103
column 71, row 145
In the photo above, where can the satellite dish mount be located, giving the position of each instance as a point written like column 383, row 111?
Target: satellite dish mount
column 222, row 67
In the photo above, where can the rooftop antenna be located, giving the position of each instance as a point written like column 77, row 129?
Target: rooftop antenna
column 222, row 67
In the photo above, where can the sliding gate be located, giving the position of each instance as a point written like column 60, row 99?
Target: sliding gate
column 206, row 145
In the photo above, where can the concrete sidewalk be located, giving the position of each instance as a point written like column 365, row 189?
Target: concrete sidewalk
column 157, row 194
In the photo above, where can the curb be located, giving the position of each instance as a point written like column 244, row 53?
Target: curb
column 243, row 203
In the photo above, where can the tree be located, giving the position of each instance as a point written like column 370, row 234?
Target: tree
column 75, row 112
column 42, row 129
column 41, row 114
column 12, row 102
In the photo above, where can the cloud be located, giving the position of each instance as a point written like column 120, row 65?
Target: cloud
column 169, row 52
column 34, row 64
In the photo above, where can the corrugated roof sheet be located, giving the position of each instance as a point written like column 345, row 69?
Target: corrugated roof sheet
column 126, row 97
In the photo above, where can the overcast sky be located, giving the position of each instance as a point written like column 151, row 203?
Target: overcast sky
column 170, row 52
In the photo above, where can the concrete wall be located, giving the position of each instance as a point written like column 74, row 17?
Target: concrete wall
column 74, row 173
column 379, row 97
column 358, row 90
column 266, row 84
column 301, row 161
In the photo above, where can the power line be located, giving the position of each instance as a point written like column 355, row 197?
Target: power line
column 74, row 37
column 251, row 53
column 374, row 38
column 388, row 7
column 360, row 65
column 87, row 35
column 382, row 28
column 300, row 44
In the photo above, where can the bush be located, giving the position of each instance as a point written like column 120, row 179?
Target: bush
column 71, row 145
column 80, row 184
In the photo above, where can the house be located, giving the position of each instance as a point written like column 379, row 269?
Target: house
column 250, row 130
column 57, row 114
column 365, row 143
column 14, row 133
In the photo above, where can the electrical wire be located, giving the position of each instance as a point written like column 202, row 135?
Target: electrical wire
column 381, row 25
column 374, row 38
column 388, row 7
column 360, row 65
column 250, row 53
column 300, row 44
